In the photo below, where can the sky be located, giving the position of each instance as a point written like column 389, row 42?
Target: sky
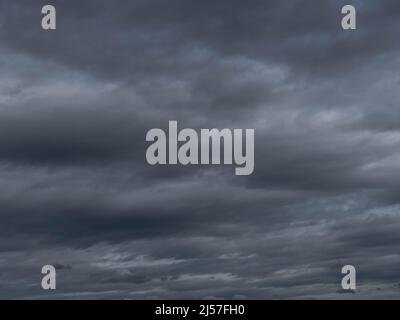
column 76, row 190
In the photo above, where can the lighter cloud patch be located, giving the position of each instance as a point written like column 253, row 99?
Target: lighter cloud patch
column 114, row 261
column 388, row 164
column 208, row 276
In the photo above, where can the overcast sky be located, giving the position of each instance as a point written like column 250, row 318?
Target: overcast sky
column 77, row 192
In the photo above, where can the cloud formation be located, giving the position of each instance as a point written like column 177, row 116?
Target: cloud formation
column 75, row 106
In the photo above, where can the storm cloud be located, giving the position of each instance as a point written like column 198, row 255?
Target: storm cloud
column 76, row 104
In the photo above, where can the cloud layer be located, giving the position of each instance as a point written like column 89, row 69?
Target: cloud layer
column 75, row 106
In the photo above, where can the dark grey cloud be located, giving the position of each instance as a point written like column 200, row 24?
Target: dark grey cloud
column 75, row 106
